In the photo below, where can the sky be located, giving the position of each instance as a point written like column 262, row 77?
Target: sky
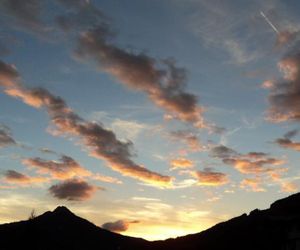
column 153, row 119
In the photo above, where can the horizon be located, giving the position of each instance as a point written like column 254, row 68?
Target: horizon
column 155, row 119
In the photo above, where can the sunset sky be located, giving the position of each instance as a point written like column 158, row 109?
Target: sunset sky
column 152, row 118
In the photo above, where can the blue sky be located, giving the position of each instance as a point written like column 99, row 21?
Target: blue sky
column 169, row 110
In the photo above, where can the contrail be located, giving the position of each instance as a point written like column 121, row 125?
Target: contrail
column 269, row 22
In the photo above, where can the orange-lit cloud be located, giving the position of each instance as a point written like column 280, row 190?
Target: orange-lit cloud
column 181, row 163
column 209, row 177
column 253, row 183
column 14, row 177
column 105, row 178
column 65, row 168
column 118, row 226
column 190, row 139
column 289, row 187
column 248, row 166
column 102, row 143
column 73, row 190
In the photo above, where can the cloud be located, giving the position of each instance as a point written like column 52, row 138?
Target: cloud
column 161, row 80
column 181, row 163
column 208, row 177
column 6, row 138
column 286, row 36
column 101, row 143
column 78, row 15
column 253, row 184
column 289, row 187
column 288, row 144
column 189, row 138
column 63, row 169
column 73, row 190
column 104, row 178
column 255, row 166
column 118, row 226
column 14, row 177
column 286, row 141
column 222, row 151
column 25, row 13
column 8, row 74
column 284, row 96
column 249, row 163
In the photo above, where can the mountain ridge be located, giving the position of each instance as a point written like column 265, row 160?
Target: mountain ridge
column 277, row 227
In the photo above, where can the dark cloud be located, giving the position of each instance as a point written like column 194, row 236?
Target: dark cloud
column 288, row 144
column 73, row 190
column 291, row 134
column 284, row 97
column 222, row 151
column 255, row 155
column 101, row 142
column 118, row 226
column 6, row 138
column 79, row 15
column 14, row 177
column 4, row 50
column 161, row 80
column 63, row 169
column 8, row 74
column 26, row 13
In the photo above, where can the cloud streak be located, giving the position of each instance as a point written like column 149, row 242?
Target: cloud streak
column 208, row 177
column 161, row 80
column 287, row 143
column 14, row 177
column 102, row 143
column 63, row 169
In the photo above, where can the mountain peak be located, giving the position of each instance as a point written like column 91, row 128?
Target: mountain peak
column 62, row 210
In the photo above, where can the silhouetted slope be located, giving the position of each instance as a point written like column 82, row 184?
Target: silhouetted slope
column 61, row 229
column 277, row 228
column 274, row 228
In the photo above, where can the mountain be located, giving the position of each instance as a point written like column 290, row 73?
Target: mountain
column 63, row 230
column 276, row 228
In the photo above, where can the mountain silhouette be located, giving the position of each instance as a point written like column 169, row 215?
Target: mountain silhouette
column 276, row 228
